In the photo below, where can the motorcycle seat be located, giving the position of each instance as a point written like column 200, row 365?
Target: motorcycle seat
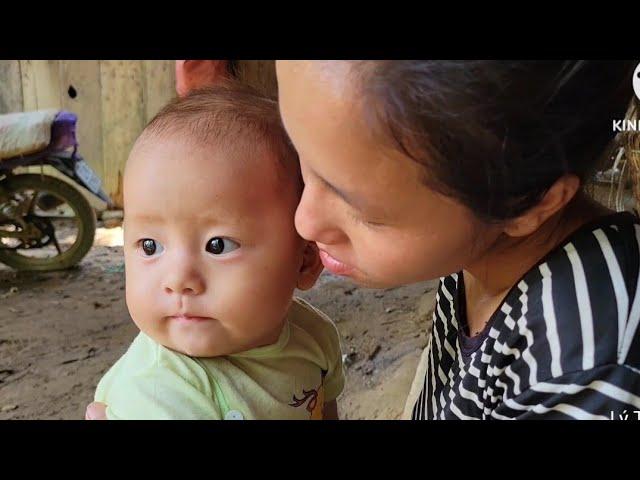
column 26, row 133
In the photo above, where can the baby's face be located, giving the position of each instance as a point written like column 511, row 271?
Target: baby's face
column 211, row 253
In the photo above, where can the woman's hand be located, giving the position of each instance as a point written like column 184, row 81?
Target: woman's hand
column 96, row 411
column 194, row 74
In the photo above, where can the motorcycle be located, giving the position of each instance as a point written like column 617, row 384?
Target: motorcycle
column 45, row 223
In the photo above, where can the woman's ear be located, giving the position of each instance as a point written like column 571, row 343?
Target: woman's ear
column 557, row 197
column 311, row 267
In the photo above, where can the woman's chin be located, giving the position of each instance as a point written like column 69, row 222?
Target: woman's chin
column 366, row 281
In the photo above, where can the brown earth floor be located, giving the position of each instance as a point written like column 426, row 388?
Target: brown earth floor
column 61, row 331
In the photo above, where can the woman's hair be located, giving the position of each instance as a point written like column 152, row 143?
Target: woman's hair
column 496, row 135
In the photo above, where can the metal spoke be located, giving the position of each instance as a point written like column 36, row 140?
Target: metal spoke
column 32, row 202
column 55, row 217
column 55, row 242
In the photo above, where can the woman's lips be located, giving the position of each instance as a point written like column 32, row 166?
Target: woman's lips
column 334, row 265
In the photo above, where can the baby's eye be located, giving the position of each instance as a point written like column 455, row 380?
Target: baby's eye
column 220, row 245
column 150, row 247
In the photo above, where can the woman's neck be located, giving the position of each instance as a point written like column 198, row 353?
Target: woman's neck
column 489, row 279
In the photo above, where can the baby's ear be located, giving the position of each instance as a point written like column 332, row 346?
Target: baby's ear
column 311, row 267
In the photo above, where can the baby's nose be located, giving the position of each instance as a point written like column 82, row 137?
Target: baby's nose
column 184, row 283
column 184, row 290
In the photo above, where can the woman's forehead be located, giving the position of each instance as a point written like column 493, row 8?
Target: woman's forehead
column 331, row 77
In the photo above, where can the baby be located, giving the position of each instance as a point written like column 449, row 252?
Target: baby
column 212, row 259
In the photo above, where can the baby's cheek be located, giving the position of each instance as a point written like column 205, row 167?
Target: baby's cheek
column 133, row 298
column 139, row 294
column 272, row 289
column 244, row 303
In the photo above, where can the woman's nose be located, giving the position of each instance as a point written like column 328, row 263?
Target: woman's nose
column 317, row 217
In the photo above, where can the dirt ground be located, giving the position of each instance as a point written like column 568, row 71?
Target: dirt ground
column 61, row 331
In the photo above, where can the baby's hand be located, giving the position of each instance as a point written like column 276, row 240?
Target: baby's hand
column 96, row 411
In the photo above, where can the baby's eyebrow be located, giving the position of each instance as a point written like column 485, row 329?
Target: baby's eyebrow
column 144, row 217
column 205, row 217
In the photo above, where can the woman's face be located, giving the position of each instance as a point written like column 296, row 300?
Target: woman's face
column 363, row 203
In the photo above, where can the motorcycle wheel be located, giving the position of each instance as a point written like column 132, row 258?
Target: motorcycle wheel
column 84, row 215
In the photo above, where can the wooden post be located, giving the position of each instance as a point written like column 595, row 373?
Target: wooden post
column 123, row 117
column 11, row 91
column 80, row 93
column 259, row 74
column 159, row 85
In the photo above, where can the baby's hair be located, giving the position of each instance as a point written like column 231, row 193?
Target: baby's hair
column 229, row 116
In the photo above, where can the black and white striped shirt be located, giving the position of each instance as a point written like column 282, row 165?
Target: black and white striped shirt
column 564, row 344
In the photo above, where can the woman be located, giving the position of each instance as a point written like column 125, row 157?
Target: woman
column 471, row 171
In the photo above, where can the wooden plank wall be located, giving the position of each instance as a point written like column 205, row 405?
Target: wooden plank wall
column 113, row 99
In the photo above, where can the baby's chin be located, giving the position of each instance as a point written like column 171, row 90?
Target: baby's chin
column 191, row 340
column 201, row 351
column 199, row 343
column 205, row 339
column 197, row 347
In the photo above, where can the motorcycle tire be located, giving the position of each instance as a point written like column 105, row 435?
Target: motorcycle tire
column 82, row 209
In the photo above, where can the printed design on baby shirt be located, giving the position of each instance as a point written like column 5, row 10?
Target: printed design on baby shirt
column 313, row 399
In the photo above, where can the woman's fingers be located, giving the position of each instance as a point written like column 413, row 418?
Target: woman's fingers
column 194, row 74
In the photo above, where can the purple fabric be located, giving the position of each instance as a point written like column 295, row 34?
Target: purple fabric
column 63, row 131
column 468, row 343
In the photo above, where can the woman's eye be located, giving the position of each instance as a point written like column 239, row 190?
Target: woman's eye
column 220, row 245
column 150, row 247
column 364, row 222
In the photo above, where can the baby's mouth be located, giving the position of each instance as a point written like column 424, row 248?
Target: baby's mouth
column 186, row 317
